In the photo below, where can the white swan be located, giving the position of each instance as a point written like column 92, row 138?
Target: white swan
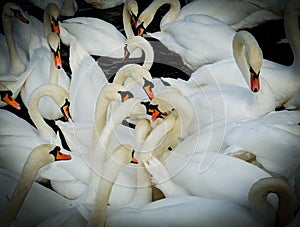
column 88, row 31
column 38, row 158
column 196, row 38
column 18, row 137
column 15, row 60
column 261, row 211
column 136, row 42
column 283, row 79
column 8, row 97
column 134, row 76
column 216, row 102
column 237, row 14
column 46, row 68
column 130, row 108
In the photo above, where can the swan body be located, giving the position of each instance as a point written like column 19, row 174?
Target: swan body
column 195, row 49
column 84, row 29
column 215, row 102
column 44, row 71
column 261, row 211
column 39, row 157
column 283, row 79
column 237, row 14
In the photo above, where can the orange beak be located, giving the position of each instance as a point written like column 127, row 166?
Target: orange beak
column 61, row 156
column 58, row 156
column 55, row 26
column 141, row 31
column 148, row 90
column 11, row 101
column 125, row 95
column 155, row 114
column 19, row 15
column 126, row 54
column 254, row 82
column 57, row 59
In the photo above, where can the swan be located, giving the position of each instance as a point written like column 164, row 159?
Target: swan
column 16, row 64
column 8, row 97
column 110, row 215
column 66, row 7
column 216, row 102
column 140, row 77
column 117, row 159
column 39, row 157
column 283, row 79
column 237, row 14
column 20, row 137
column 261, row 212
column 130, row 12
column 88, row 31
column 46, row 69
column 136, row 42
column 131, row 108
column 195, row 49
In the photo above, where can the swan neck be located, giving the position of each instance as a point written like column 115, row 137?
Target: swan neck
column 112, row 167
column 149, row 55
column 101, row 110
column 17, row 66
column 171, row 15
column 27, row 178
column 239, row 53
column 263, row 210
column 53, row 72
column 127, row 22
column 57, row 94
column 292, row 32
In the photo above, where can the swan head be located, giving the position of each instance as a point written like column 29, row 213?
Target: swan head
column 133, row 9
column 54, row 44
column 45, row 154
column 51, row 14
column 11, row 10
column 7, row 97
column 249, row 58
column 116, row 92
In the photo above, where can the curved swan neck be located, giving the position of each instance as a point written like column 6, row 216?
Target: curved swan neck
column 120, row 157
column 170, row 16
column 292, row 32
column 129, row 5
column 58, row 94
column 17, row 66
column 263, row 210
column 247, row 53
column 35, row 161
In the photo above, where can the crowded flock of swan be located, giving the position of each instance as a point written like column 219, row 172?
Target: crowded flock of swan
column 219, row 149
